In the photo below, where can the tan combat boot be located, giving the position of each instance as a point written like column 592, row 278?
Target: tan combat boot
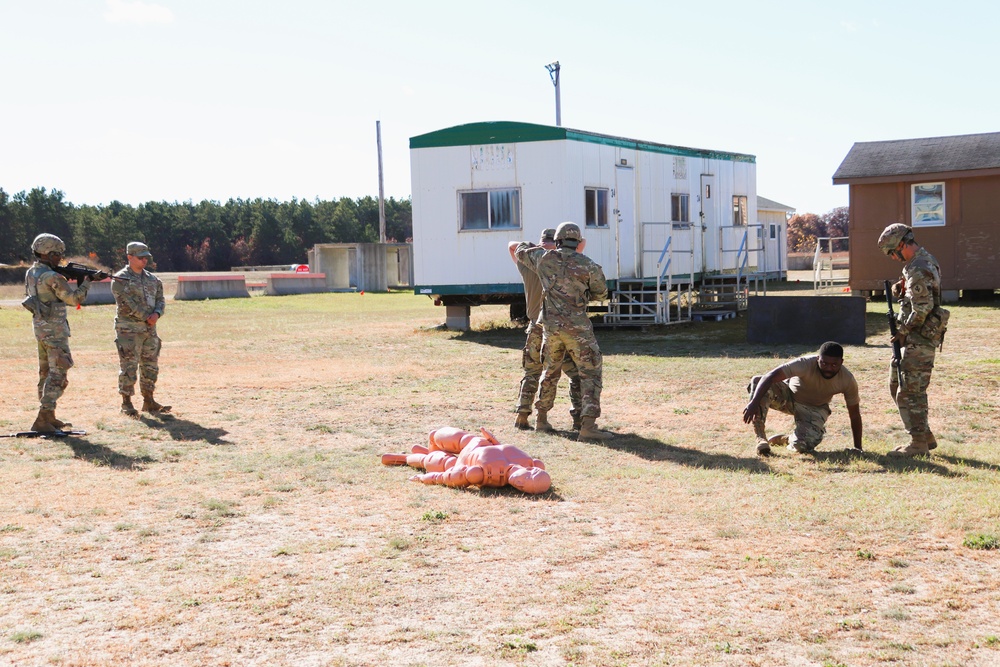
column 542, row 422
column 59, row 424
column 151, row 406
column 127, row 407
column 589, row 430
column 43, row 423
column 917, row 447
column 522, row 421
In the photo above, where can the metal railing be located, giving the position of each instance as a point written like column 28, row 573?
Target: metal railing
column 825, row 273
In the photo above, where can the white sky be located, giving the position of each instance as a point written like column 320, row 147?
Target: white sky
column 176, row 100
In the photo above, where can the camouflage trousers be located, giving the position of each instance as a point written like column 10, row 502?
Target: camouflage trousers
column 138, row 354
column 810, row 420
column 531, row 362
column 581, row 348
column 911, row 396
column 54, row 362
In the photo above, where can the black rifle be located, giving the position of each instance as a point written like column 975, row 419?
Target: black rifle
column 897, row 349
column 77, row 272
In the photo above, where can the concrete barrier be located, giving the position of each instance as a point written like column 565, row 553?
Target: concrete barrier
column 211, row 287
column 99, row 293
column 295, row 283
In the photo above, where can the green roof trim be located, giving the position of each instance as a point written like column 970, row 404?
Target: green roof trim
column 505, row 132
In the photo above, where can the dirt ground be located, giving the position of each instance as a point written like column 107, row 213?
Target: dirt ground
column 256, row 525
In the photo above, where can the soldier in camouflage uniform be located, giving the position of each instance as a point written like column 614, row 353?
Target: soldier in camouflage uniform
column 920, row 326
column 531, row 358
column 803, row 388
column 140, row 304
column 570, row 281
column 47, row 294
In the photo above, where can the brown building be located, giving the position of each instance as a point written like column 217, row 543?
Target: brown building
column 946, row 188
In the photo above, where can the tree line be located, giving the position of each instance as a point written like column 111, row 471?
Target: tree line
column 805, row 228
column 207, row 236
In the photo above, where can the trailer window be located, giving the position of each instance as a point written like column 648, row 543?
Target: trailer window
column 739, row 210
column 679, row 208
column 491, row 209
column 596, row 206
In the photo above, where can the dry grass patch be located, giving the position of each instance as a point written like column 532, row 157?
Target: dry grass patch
column 256, row 525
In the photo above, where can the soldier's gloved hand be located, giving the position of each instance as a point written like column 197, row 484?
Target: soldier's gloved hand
column 100, row 275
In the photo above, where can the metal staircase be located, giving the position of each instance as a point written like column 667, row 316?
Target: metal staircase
column 645, row 301
column 669, row 299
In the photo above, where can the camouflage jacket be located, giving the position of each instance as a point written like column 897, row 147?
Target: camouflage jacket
column 137, row 299
column 923, row 291
column 569, row 282
column 49, row 293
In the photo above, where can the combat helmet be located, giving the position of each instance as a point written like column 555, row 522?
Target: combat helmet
column 892, row 235
column 46, row 243
column 568, row 234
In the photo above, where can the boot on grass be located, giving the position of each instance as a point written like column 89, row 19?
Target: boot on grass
column 151, row 406
column 522, row 421
column 58, row 423
column 542, row 422
column 589, row 430
column 127, row 408
column 43, row 423
column 918, row 447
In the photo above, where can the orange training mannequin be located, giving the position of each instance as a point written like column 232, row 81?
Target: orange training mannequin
column 477, row 461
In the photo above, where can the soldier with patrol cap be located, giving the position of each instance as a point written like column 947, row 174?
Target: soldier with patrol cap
column 140, row 305
column 920, row 326
column 531, row 357
column 47, row 295
column 570, row 280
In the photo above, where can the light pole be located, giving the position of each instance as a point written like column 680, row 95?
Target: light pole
column 554, row 74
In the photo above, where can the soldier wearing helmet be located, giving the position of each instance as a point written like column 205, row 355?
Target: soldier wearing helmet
column 570, row 280
column 47, row 294
column 531, row 357
column 920, row 326
column 140, row 304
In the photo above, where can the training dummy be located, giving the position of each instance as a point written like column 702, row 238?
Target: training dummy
column 457, row 458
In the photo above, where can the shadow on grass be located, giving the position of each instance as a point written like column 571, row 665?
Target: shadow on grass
column 722, row 340
column 839, row 461
column 656, row 450
column 511, row 339
column 104, row 456
column 186, row 431
column 510, row 492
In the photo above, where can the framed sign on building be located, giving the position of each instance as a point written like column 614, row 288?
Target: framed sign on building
column 927, row 204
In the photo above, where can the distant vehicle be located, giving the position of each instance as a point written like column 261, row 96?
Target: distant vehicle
column 300, row 268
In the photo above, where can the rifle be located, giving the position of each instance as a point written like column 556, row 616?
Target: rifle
column 897, row 349
column 74, row 271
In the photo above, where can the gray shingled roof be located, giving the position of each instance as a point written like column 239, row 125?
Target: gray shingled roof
column 931, row 155
column 771, row 205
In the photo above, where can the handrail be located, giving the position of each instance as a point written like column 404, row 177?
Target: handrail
column 821, row 282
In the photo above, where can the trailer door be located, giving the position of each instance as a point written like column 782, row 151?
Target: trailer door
column 627, row 239
column 709, row 224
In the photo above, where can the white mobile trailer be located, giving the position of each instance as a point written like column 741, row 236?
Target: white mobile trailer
column 477, row 187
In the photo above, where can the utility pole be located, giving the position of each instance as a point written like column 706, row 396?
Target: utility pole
column 381, row 192
column 554, row 75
